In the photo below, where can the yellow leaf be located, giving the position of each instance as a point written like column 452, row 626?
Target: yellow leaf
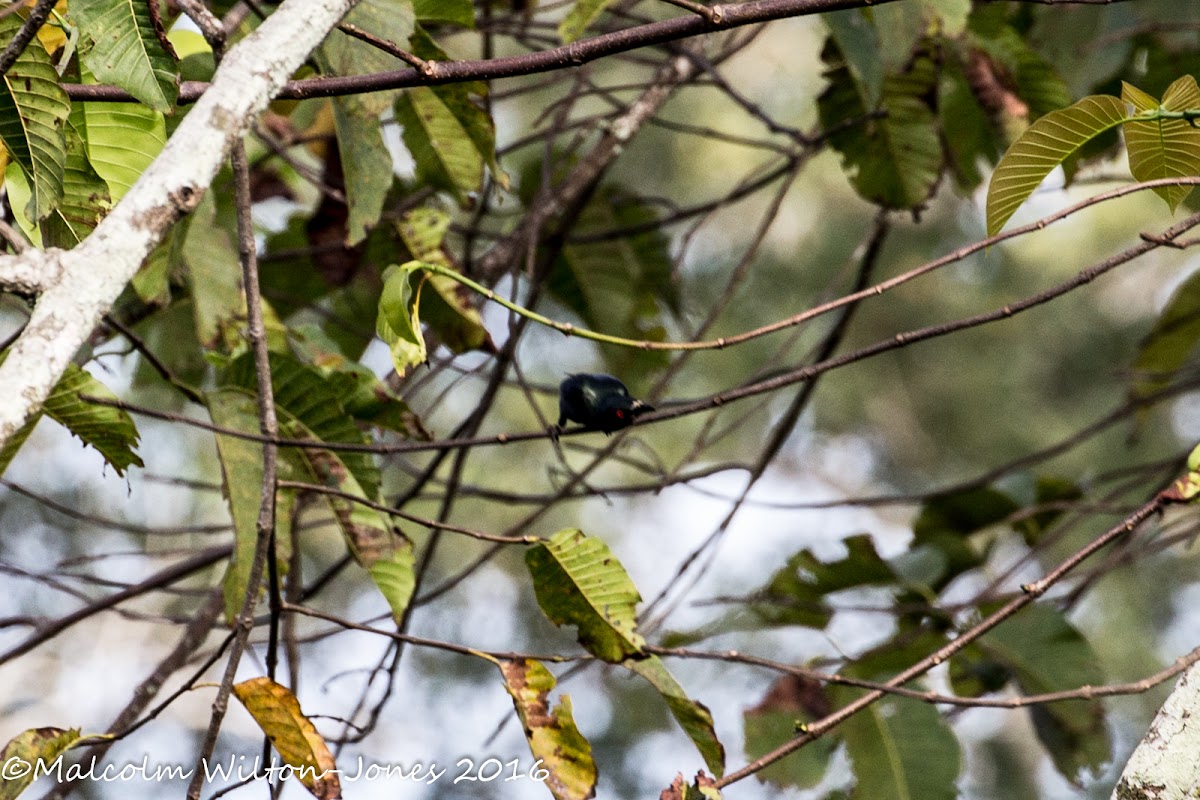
column 295, row 738
column 51, row 35
column 560, row 749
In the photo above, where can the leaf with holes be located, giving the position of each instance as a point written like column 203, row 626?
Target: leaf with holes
column 579, row 582
column 36, row 747
column 553, row 737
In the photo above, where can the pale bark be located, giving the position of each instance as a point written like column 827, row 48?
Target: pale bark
column 1166, row 763
column 75, row 288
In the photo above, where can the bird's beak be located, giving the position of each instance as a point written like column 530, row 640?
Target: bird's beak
column 640, row 408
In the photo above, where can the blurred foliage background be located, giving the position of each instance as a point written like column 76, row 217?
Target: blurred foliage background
column 854, row 529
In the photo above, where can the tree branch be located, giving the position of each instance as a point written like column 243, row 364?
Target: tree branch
column 79, row 286
column 722, row 17
column 1164, row 765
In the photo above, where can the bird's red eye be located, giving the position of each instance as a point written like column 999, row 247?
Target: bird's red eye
column 620, row 414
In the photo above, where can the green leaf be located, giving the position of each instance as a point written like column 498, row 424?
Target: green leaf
column 423, row 230
column 446, row 305
column 386, row 553
column 962, row 513
column 894, row 161
column 213, row 272
column 196, row 62
column 241, row 471
column 311, row 401
column 619, row 285
column 152, row 281
column 695, row 719
column 1165, row 148
column 1173, row 338
column 579, row 582
column 122, row 140
column 553, row 737
column 36, row 746
column 20, row 195
column 944, row 528
column 342, row 54
column 110, row 430
column 398, row 323
column 796, row 594
column 903, row 750
column 445, row 155
column 1047, row 490
column 13, row 444
column 290, row 277
column 308, row 409
column 454, row 12
column 1045, row 145
column 370, row 401
column 366, row 161
column 949, row 16
column 465, row 101
column 367, row 165
column 1040, row 651
column 85, row 198
column 907, row 646
column 582, row 14
column 126, row 50
column 858, row 41
column 970, row 135
column 791, row 700
column 901, row 28
column 1023, row 70
column 33, row 113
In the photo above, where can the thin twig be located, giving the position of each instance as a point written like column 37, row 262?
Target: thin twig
column 264, row 549
column 1032, row 591
column 37, row 17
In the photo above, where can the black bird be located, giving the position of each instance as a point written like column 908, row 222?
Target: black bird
column 598, row 402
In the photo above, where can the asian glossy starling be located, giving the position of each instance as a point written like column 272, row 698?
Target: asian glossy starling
column 598, row 402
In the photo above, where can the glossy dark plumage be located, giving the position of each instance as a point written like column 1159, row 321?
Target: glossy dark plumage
column 598, row 402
